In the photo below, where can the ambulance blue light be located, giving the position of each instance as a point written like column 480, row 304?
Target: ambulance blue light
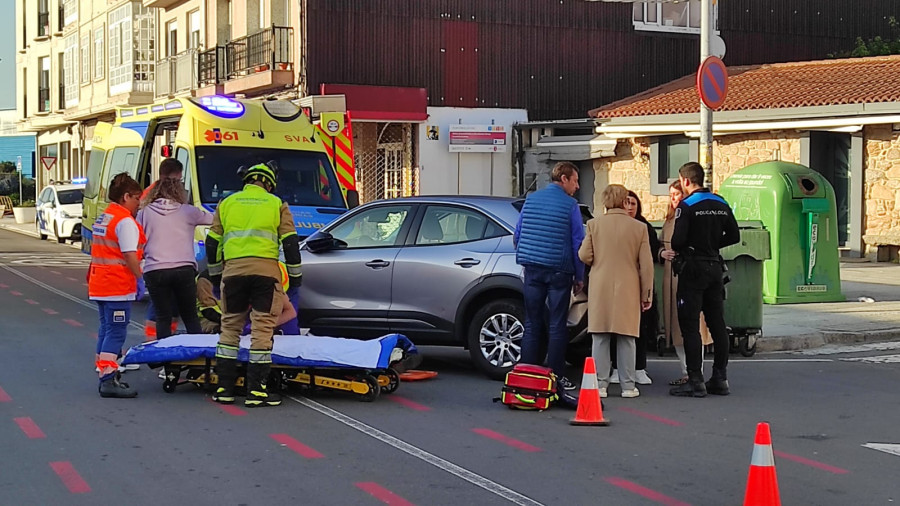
column 221, row 106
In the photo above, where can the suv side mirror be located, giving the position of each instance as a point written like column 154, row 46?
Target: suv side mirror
column 352, row 199
column 320, row 242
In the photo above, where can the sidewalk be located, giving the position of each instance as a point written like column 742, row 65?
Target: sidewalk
column 794, row 326
column 9, row 223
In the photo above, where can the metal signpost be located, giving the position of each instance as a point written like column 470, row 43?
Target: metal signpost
column 19, row 169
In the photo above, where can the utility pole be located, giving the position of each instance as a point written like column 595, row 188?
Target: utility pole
column 706, row 114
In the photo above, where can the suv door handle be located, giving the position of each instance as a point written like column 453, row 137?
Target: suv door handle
column 467, row 262
column 377, row 264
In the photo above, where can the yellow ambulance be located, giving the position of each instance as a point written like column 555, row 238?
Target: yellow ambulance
column 212, row 136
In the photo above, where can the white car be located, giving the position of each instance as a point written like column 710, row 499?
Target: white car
column 58, row 211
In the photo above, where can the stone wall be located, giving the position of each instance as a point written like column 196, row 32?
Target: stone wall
column 882, row 187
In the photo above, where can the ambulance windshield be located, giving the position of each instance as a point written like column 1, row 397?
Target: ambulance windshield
column 305, row 178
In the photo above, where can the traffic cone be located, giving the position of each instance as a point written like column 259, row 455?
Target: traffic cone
column 762, row 485
column 590, row 408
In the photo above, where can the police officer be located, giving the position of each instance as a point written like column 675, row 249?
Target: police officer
column 246, row 230
column 703, row 224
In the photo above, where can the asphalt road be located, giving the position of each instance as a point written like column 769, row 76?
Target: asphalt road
column 436, row 442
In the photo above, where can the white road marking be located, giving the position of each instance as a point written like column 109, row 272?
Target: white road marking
column 881, row 359
column 857, row 348
column 414, row 451
column 752, row 360
column 61, row 293
column 893, row 449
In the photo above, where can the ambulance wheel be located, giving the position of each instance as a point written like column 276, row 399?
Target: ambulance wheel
column 374, row 389
column 747, row 344
column 169, row 386
column 394, row 384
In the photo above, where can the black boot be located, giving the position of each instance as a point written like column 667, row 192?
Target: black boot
column 257, row 393
column 693, row 388
column 718, row 383
column 112, row 387
column 226, row 370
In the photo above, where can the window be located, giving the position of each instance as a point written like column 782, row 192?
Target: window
column 143, row 40
column 43, row 28
column 194, row 29
column 450, row 225
column 99, row 69
column 679, row 17
column 67, row 197
column 376, row 227
column 85, row 49
column 70, row 70
column 119, row 53
column 24, row 25
column 171, row 38
column 70, row 11
column 667, row 155
column 63, row 162
column 95, row 166
column 44, row 84
column 121, row 160
column 24, row 93
column 262, row 13
column 184, row 156
column 45, row 196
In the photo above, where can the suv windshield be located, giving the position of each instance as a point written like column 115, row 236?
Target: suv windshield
column 70, row 197
column 304, row 179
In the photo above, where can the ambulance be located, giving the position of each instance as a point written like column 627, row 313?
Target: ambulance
column 212, row 136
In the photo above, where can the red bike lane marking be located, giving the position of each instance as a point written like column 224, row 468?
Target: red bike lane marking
column 229, row 408
column 16, row 293
column 298, row 447
column 4, row 285
column 70, row 477
column 651, row 416
column 382, row 494
column 515, row 443
column 32, row 302
column 29, row 428
column 74, row 323
column 408, row 403
column 48, row 310
column 811, row 463
column 644, row 492
column 4, row 397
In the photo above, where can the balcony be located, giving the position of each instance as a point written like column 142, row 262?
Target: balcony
column 163, row 4
column 177, row 74
column 250, row 64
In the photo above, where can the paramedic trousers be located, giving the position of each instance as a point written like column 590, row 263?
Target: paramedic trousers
column 701, row 289
column 114, row 318
column 254, row 295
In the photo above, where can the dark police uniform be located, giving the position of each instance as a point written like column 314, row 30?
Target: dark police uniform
column 704, row 223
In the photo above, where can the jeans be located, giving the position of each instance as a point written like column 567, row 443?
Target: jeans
column 176, row 285
column 700, row 288
column 546, row 290
column 114, row 318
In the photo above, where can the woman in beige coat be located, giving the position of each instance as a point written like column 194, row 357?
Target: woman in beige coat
column 617, row 249
column 670, row 288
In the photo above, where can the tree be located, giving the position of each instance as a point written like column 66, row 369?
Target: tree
column 7, row 167
column 876, row 46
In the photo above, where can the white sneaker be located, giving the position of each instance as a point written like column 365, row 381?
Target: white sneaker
column 614, row 377
column 641, row 377
column 634, row 392
column 130, row 367
column 603, row 393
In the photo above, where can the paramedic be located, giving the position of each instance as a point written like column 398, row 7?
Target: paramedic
column 112, row 278
column 703, row 224
column 242, row 248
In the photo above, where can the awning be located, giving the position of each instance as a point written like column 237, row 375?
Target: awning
column 382, row 103
column 576, row 147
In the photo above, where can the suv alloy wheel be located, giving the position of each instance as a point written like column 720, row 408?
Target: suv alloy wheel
column 495, row 336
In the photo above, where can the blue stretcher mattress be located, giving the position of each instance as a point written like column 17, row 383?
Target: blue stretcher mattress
column 294, row 351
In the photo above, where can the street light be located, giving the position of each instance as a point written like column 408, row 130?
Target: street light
column 706, row 119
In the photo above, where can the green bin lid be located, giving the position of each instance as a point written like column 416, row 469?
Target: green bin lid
column 816, row 205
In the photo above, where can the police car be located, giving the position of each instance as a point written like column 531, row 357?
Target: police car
column 58, row 211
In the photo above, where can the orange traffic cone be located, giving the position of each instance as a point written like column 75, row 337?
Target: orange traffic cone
column 590, row 408
column 762, row 485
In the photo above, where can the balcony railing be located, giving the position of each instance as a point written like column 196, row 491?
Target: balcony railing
column 44, row 99
column 211, row 66
column 43, row 24
column 270, row 49
column 178, row 73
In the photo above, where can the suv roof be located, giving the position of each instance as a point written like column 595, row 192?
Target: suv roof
column 65, row 186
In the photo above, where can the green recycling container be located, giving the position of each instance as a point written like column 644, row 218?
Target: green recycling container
column 743, row 294
column 797, row 207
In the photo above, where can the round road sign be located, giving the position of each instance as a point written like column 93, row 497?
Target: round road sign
column 712, row 82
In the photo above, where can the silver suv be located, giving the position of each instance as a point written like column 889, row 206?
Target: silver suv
column 440, row 270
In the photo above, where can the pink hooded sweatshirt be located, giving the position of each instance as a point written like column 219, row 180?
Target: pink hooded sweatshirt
column 169, row 227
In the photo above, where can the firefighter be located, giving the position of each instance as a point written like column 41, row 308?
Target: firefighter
column 242, row 248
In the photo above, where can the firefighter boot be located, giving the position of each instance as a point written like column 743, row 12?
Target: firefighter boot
column 693, row 388
column 257, row 393
column 226, row 370
column 718, row 383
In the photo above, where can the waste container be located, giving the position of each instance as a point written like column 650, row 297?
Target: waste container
column 743, row 294
column 797, row 207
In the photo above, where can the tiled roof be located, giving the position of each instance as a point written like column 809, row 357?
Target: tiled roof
column 775, row 86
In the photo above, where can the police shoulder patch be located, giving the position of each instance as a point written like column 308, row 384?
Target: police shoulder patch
column 677, row 212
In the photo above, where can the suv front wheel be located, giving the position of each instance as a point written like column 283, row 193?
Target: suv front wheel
column 495, row 336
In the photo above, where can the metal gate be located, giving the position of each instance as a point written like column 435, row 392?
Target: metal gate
column 383, row 153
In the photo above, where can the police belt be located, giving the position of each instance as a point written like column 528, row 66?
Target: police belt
column 717, row 259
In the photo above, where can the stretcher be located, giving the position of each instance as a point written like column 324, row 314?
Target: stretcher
column 363, row 368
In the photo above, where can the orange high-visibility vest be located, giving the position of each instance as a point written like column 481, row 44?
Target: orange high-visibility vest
column 110, row 275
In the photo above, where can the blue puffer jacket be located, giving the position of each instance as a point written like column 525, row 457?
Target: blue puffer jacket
column 546, row 238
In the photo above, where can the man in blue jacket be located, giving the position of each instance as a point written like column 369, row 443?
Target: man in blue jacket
column 548, row 235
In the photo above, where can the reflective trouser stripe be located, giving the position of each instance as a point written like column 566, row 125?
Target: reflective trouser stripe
column 216, row 269
column 260, row 357
column 226, row 351
column 762, row 456
column 294, row 270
